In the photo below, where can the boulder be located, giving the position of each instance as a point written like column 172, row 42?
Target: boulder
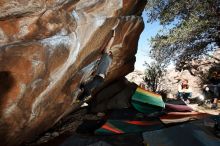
column 49, row 47
column 196, row 71
column 169, row 83
column 137, row 77
column 116, row 95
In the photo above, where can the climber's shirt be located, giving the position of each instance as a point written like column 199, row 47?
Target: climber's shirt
column 104, row 65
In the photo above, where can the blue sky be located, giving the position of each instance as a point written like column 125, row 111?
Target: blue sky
column 142, row 55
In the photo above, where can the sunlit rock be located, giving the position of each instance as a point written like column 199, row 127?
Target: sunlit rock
column 49, row 47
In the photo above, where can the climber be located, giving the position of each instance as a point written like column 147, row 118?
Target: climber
column 213, row 87
column 184, row 91
column 99, row 77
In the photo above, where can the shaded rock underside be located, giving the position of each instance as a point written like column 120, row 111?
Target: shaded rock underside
column 49, row 47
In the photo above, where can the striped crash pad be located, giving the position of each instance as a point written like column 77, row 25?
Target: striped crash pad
column 147, row 102
column 129, row 126
column 179, row 117
column 177, row 108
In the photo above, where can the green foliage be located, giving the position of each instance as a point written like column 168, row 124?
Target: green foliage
column 196, row 28
column 153, row 74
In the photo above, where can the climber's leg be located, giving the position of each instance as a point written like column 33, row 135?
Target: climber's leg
column 90, row 86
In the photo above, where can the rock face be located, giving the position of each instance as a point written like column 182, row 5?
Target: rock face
column 49, row 47
column 136, row 76
column 196, row 71
column 169, row 83
column 116, row 95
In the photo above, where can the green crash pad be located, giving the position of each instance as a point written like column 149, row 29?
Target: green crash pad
column 147, row 102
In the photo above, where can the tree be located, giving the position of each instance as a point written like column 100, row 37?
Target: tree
column 153, row 74
column 195, row 29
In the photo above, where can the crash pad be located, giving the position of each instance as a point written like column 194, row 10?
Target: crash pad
column 196, row 133
column 179, row 117
column 113, row 140
column 177, row 108
column 128, row 126
column 146, row 101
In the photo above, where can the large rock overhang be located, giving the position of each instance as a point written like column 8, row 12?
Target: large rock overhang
column 49, row 47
